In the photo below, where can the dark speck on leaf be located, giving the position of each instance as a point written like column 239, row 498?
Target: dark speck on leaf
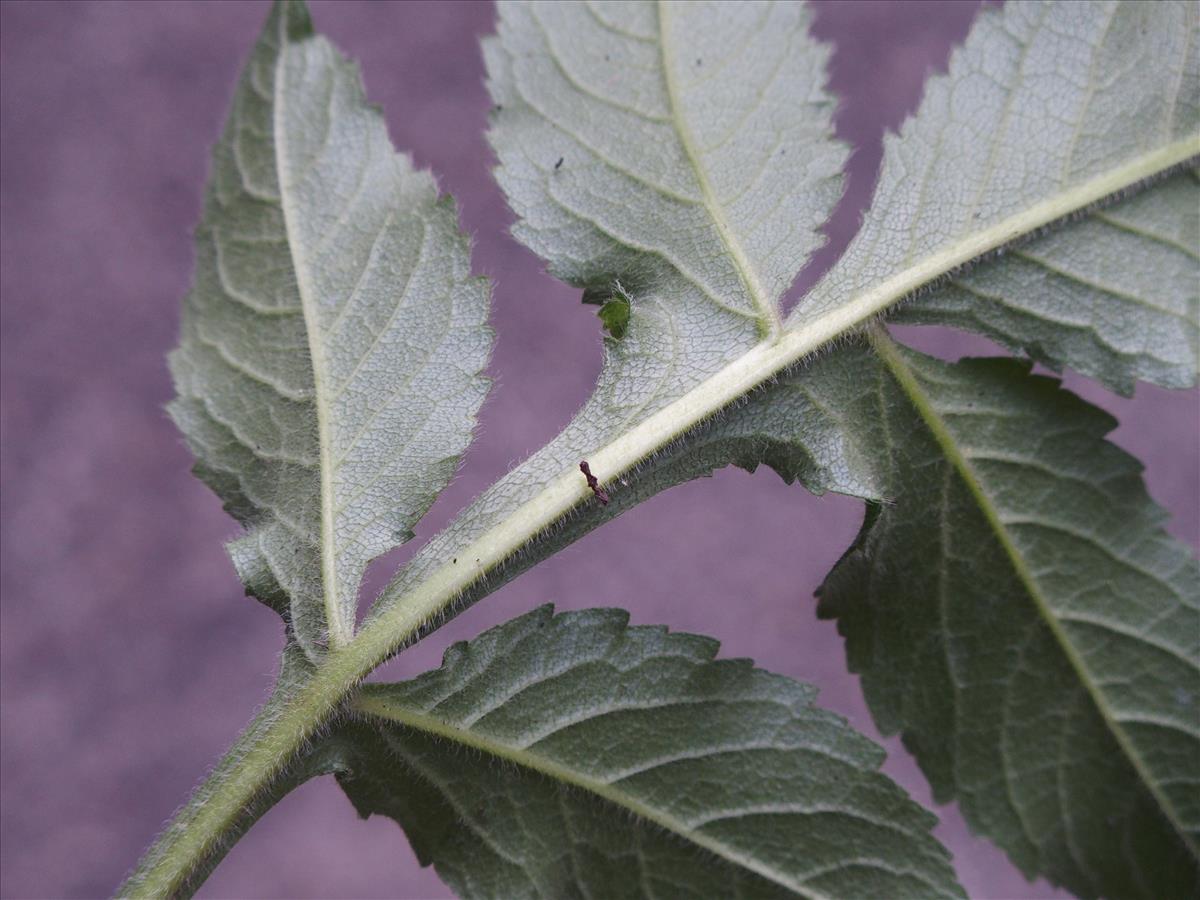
column 558, row 165
column 698, row 61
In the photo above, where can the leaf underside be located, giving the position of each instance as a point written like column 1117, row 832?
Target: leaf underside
column 573, row 755
column 328, row 372
column 1014, row 607
column 609, row 91
column 1041, row 99
column 1035, row 641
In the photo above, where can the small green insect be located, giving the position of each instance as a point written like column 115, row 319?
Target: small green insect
column 614, row 313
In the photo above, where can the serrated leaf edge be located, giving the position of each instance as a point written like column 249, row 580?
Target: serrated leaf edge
column 370, row 704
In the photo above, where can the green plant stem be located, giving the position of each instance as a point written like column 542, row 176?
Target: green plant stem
column 258, row 763
column 237, row 791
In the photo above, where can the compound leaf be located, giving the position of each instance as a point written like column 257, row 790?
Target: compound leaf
column 635, row 173
column 1036, row 644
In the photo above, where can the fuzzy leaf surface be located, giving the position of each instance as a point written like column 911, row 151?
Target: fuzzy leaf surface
column 1018, row 614
column 573, row 756
column 328, row 373
column 1042, row 99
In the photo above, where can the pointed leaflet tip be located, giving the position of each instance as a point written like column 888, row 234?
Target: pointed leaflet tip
column 294, row 17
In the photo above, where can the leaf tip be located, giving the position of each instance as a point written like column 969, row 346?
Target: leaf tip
column 293, row 19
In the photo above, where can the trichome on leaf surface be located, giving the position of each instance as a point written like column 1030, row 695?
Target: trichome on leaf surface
column 1013, row 605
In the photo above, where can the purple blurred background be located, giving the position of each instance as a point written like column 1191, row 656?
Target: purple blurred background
column 130, row 659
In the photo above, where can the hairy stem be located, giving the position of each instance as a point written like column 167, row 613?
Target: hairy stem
column 254, row 773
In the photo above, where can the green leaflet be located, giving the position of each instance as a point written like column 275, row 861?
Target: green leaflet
column 697, row 143
column 1043, row 98
column 328, row 373
column 574, row 756
column 1018, row 614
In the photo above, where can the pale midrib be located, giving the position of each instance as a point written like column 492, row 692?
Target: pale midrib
column 767, row 311
column 338, row 633
column 885, row 348
column 367, row 702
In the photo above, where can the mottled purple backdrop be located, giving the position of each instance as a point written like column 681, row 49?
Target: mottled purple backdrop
column 130, row 657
